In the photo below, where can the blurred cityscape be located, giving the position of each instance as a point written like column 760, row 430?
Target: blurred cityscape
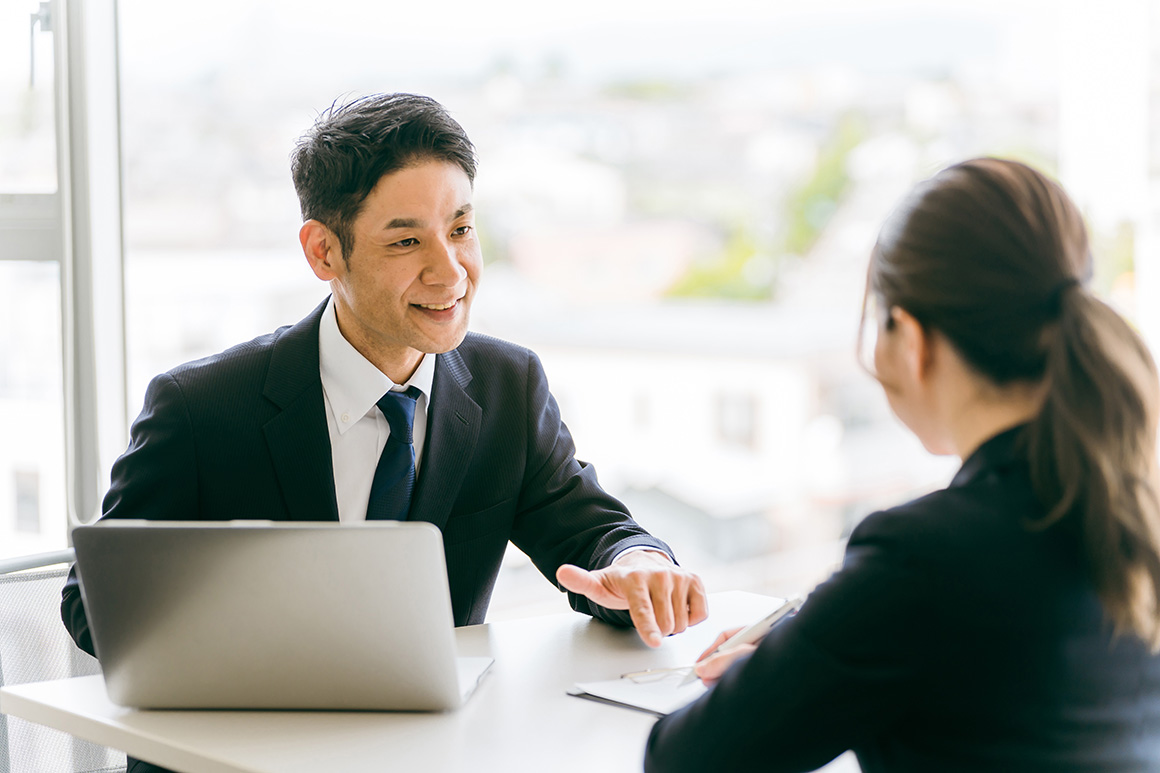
column 681, row 235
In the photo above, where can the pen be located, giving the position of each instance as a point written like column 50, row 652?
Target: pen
column 749, row 634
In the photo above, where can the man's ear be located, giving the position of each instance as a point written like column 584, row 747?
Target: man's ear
column 917, row 344
column 321, row 248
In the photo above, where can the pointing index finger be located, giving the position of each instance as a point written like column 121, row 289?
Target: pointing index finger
column 643, row 617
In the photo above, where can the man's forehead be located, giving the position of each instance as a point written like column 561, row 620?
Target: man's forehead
column 420, row 192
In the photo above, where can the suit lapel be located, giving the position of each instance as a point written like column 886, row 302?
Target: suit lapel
column 297, row 437
column 453, row 420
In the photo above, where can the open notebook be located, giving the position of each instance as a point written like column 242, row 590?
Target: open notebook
column 662, row 691
column 661, row 695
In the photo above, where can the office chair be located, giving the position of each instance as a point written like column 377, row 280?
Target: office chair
column 34, row 646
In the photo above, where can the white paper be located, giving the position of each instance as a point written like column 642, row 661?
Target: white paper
column 660, row 696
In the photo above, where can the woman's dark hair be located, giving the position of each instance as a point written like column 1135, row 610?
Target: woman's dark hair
column 353, row 145
column 994, row 256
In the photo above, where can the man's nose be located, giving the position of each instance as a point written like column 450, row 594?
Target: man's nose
column 443, row 265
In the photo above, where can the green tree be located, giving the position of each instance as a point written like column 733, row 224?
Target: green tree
column 741, row 271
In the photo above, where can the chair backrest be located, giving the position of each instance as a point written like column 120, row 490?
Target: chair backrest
column 34, row 646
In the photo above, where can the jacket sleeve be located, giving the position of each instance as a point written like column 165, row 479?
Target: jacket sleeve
column 563, row 515
column 154, row 479
column 845, row 667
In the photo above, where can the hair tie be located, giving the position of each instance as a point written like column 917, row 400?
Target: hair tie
column 1055, row 299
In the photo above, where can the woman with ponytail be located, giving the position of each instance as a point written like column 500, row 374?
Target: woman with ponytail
column 1010, row 621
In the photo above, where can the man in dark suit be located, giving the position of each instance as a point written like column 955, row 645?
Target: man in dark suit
column 302, row 424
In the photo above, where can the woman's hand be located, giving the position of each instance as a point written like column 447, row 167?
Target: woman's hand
column 710, row 667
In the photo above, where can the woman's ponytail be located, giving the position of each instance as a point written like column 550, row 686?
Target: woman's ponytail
column 1093, row 456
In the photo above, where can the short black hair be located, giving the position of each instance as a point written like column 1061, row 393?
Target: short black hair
column 353, row 144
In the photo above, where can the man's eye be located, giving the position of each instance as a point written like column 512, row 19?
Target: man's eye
column 462, row 230
column 405, row 243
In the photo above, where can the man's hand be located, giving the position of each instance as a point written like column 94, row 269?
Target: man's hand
column 661, row 597
column 710, row 667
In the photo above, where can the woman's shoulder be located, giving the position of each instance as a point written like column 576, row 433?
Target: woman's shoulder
column 996, row 508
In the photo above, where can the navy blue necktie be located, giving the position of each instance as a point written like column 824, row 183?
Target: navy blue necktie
column 395, row 476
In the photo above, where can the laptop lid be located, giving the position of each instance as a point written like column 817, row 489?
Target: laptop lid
column 261, row 615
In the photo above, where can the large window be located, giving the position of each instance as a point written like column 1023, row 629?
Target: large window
column 676, row 200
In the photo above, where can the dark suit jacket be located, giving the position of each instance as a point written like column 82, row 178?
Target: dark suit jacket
column 243, row 434
column 953, row 638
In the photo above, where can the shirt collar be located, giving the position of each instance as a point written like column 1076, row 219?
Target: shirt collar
column 352, row 384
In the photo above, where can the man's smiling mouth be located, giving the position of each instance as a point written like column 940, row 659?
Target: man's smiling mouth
column 437, row 306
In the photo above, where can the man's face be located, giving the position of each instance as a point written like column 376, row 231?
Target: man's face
column 407, row 286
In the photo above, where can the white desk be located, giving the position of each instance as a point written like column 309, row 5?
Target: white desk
column 520, row 718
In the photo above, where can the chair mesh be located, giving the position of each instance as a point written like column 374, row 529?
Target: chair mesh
column 34, row 646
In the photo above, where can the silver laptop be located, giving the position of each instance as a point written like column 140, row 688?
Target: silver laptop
column 261, row 615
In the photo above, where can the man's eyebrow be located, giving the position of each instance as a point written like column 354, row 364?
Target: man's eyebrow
column 403, row 222
column 410, row 222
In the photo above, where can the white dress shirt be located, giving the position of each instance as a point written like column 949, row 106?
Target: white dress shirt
column 351, row 386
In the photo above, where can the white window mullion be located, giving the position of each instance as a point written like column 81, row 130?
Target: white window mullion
column 92, row 284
